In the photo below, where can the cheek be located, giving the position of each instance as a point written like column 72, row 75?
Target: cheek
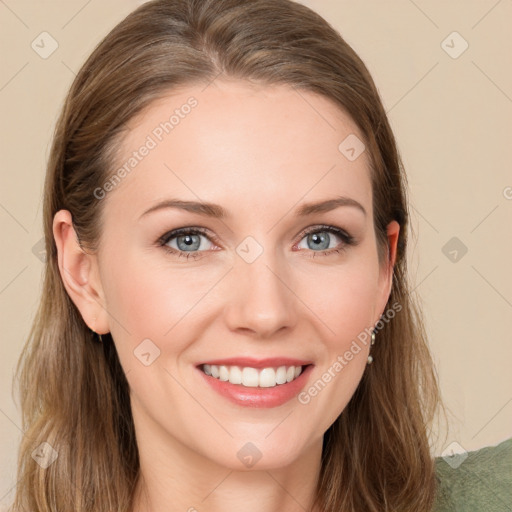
column 344, row 299
column 152, row 300
column 346, row 310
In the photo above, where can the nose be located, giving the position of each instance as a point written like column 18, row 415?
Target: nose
column 260, row 301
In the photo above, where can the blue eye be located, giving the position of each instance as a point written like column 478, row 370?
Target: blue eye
column 319, row 238
column 187, row 242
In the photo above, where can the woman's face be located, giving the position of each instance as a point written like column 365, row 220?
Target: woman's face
column 261, row 281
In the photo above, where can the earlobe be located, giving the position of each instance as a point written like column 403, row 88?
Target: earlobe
column 78, row 273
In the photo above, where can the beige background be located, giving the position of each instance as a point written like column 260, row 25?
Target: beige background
column 452, row 119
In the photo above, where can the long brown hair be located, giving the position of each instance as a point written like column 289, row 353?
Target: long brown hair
column 74, row 395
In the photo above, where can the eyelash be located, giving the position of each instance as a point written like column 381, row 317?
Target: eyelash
column 348, row 240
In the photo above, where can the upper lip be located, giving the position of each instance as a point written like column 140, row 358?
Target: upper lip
column 251, row 362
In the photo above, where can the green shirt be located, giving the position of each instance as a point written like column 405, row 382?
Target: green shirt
column 478, row 481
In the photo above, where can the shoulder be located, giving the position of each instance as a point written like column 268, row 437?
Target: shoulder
column 477, row 481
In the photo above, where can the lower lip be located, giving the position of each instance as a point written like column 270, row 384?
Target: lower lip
column 259, row 397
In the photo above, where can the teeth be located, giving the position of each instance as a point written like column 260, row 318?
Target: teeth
column 267, row 378
column 252, row 377
column 281, row 375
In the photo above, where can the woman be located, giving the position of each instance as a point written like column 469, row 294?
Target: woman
column 226, row 320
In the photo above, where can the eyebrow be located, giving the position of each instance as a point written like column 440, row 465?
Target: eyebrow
column 217, row 211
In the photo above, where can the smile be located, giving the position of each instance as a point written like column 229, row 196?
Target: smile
column 253, row 377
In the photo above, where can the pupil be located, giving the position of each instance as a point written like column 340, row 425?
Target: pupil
column 188, row 242
column 320, row 240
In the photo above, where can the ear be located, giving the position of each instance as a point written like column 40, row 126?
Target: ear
column 80, row 274
column 386, row 271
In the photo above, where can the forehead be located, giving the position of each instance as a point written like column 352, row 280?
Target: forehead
column 259, row 144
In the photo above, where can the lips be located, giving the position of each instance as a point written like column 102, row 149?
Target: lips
column 257, row 363
column 251, row 382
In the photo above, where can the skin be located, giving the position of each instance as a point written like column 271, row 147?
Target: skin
column 259, row 152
